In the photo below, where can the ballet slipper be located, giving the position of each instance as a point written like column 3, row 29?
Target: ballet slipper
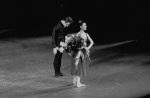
column 81, row 85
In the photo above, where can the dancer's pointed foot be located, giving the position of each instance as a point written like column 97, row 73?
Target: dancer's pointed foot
column 81, row 85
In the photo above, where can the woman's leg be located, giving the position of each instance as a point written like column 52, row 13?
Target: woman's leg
column 79, row 82
column 74, row 80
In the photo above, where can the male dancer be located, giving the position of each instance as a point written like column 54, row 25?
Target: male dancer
column 58, row 36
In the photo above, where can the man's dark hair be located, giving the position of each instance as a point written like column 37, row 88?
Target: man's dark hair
column 69, row 19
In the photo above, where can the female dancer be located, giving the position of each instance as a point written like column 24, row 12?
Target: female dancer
column 81, row 58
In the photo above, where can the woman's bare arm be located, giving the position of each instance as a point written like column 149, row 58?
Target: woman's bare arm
column 91, row 41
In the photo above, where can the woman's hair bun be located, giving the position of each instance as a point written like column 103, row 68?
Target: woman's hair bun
column 80, row 21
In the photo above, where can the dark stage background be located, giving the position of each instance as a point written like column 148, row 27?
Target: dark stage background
column 107, row 20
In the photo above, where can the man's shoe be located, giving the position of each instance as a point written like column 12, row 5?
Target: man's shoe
column 57, row 75
column 60, row 74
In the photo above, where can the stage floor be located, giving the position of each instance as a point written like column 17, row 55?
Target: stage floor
column 117, row 70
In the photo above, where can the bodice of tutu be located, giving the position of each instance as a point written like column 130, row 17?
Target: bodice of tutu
column 84, row 37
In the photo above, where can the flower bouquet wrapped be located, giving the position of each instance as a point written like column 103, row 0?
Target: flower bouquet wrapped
column 73, row 44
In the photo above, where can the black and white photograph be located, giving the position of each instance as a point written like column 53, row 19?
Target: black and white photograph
column 74, row 49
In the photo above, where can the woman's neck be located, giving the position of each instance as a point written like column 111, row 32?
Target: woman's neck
column 82, row 31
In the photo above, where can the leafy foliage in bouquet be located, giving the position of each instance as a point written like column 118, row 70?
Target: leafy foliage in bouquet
column 74, row 43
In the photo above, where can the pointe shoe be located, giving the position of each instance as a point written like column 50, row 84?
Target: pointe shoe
column 80, row 85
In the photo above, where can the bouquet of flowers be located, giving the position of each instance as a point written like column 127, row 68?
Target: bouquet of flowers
column 73, row 44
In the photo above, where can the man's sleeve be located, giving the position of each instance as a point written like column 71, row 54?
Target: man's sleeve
column 54, row 37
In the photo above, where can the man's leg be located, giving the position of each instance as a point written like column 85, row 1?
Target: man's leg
column 56, row 64
column 59, row 63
